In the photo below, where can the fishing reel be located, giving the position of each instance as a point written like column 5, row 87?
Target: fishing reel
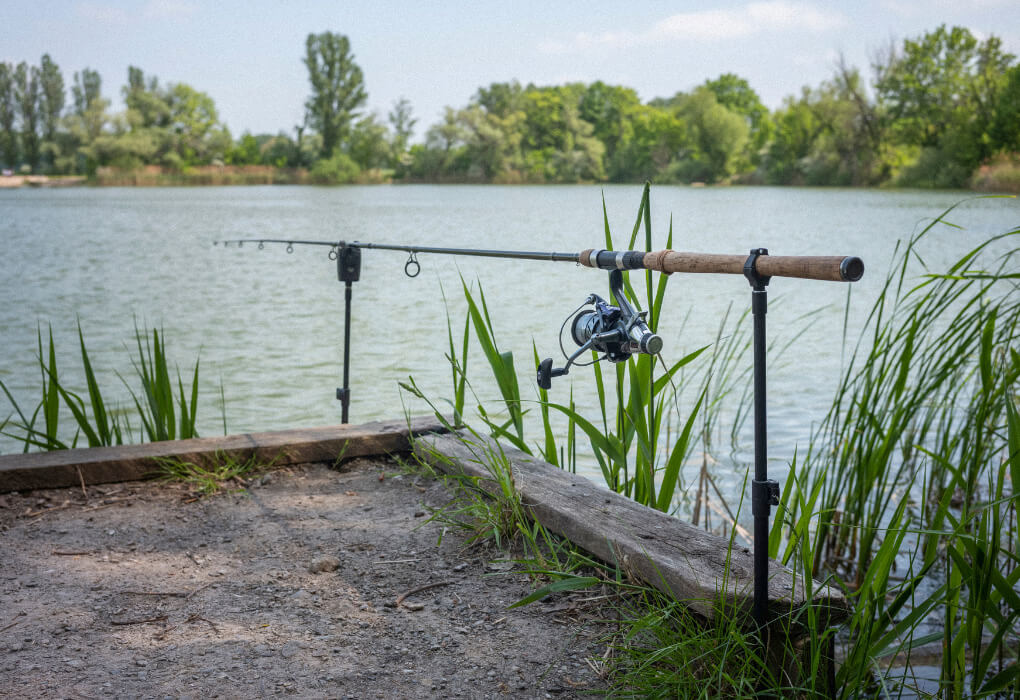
column 615, row 331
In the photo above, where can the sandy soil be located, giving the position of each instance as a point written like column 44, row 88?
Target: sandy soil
column 143, row 590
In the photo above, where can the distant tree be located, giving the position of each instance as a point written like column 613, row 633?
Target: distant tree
column 337, row 88
column 148, row 104
column 245, row 152
column 8, row 113
column 500, row 99
column 607, row 108
column 719, row 136
column 26, row 92
column 280, row 151
column 368, row 144
column 52, row 97
column 87, row 118
column 299, row 143
column 403, row 126
column 651, row 139
column 736, row 94
column 940, row 81
column 558, row 144
column 447, row 135
column 198, row 136
column 492, row 143
column 1006, row 125
column 89, row 108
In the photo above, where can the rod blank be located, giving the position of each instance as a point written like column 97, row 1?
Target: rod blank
column 831, row 268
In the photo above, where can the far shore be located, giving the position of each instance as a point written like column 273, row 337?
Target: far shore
column 1003, row 177
column 8, row 182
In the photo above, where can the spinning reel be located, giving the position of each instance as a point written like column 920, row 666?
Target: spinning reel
column 615, row 331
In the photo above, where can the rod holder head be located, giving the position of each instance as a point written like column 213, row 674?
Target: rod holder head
column 348, row 263
column 758, row 281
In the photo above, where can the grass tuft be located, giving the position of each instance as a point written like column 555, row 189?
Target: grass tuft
column 211, row 476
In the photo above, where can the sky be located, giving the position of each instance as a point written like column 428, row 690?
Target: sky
column 248, row 55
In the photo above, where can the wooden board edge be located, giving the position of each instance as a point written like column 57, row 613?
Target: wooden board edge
column 99, row 465
column 829, row 603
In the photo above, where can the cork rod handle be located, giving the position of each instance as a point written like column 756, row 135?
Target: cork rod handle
column 831, row 268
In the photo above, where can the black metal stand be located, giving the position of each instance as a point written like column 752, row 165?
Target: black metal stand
column 764, row 491
column 348, row 270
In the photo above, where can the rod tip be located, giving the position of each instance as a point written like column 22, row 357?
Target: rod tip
column 851, row 269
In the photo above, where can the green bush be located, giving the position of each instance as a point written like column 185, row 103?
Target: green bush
column 338, row 169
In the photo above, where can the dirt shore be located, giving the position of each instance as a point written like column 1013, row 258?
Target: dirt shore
column 289, row 586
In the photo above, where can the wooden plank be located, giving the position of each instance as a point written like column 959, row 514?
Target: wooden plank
column 99, row 465
column 694, row 566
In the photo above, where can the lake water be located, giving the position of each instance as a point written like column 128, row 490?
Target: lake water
column 270, row 324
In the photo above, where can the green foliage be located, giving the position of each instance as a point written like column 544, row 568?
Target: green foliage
column 649, row 142
column 736, row 94
column 401, row 120
column 165, row 409
column 338, row 169
column 903, row 493
column 720, row 136
column 337, row 88
column 26, row 97
column 245, row 152
column 209, row 476
column 368, row 146
column 51, row 104
column 944, row 105
column 8, row 137
column 1006, row 125
column 943, row 94
column 637, row 453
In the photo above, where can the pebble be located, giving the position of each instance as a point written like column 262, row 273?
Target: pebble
column 324, row 564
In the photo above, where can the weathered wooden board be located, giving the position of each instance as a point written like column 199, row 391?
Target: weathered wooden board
column 98, row 465
column 696, row 567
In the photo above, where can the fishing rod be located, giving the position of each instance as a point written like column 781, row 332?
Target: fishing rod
column 825, row 268
column 615, row 333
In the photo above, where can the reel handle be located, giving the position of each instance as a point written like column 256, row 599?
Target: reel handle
column 546, row 373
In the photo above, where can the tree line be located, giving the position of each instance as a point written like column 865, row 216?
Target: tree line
column 932, row 110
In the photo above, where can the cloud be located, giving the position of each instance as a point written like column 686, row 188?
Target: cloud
column 712, row 25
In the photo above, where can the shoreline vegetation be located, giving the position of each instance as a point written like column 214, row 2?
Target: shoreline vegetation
column 941, row 110
column 1001, row 175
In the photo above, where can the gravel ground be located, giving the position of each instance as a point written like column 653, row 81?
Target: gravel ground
column 288, row 586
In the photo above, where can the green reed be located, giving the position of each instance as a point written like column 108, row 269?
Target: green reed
column 908, row 485
column 633, row 444
column 165, row 406
column 209, row 476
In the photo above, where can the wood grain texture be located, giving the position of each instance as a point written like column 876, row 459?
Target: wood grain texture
column 827, row 268
column 99, row 465
column 694, row 566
